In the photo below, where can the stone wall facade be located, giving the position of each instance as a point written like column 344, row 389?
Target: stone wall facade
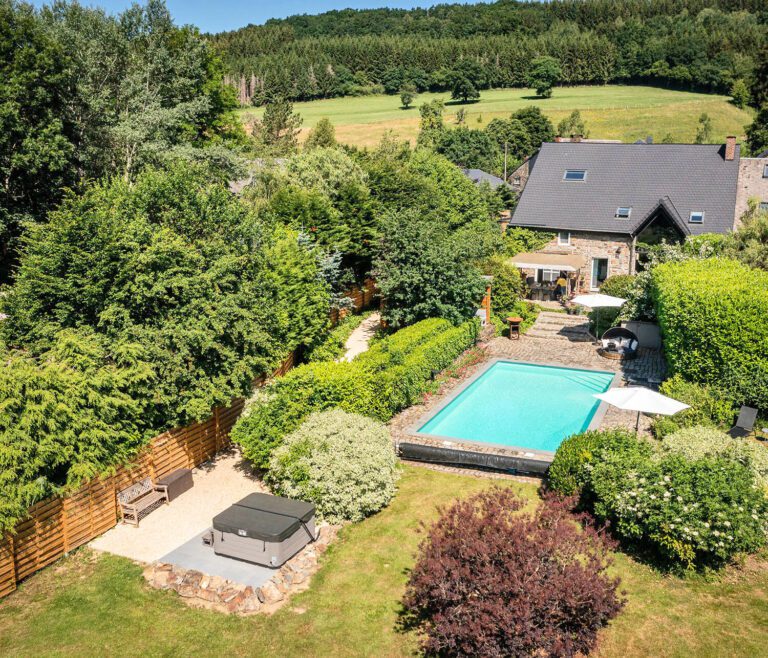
column 751, row 185
column 213, row 592
column 616, row 248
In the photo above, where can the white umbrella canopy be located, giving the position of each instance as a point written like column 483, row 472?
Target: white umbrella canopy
column 642, row 400
column 598, row 301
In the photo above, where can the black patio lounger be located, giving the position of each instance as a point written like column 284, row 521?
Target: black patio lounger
column 744, row 423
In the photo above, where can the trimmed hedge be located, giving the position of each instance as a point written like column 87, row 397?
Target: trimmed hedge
column 378, row 383
column 713, row 315
column 332, row 347
column 710, row 406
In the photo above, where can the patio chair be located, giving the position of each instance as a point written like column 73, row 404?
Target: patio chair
column 745, row 423
column 619, row 343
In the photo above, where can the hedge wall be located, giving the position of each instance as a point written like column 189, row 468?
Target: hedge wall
column 713, row 316
column 390, row 376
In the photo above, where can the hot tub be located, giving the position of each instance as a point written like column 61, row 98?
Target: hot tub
column 264, row 529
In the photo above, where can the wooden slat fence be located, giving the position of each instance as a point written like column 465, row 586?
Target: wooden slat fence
column 57, row 525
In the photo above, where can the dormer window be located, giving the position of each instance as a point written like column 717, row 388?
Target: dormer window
column 623, row 212
column 697, row 217
column 575, row 175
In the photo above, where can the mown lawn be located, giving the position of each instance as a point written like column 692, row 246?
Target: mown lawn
column 89, row 605
column 611, row 112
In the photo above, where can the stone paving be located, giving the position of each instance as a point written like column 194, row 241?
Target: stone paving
column 648, row 369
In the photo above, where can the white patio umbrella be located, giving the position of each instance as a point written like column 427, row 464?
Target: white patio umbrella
column 642, row 400
column 598, row 301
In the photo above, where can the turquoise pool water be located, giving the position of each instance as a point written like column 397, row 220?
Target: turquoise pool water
column 521, row 404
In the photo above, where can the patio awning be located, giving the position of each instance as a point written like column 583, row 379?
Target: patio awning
column 534, row 261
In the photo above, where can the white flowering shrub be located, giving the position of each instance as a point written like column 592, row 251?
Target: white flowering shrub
column 697, row 442
column 344, row 463
column 685, row 512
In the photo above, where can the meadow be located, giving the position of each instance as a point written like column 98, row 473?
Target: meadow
column 618, row 112
column 89, row 604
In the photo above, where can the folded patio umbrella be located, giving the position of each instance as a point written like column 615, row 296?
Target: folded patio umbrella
column 598, row 301
column 642, row 400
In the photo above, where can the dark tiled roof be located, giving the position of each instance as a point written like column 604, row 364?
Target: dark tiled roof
column 479, row 176
column 684, row 177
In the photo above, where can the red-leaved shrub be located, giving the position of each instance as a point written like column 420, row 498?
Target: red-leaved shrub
column 492, row 580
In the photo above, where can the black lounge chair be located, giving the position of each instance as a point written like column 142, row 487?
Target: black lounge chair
column 619, row 343
column 745, row 423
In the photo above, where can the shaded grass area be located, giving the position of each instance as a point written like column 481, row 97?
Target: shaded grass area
column 90, row 605
column 621, row 112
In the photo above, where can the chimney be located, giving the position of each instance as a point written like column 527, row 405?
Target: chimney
column 558, row 139
column 576, row 138
column 730, row 147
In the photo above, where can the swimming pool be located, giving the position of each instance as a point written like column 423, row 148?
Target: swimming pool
column 524, row 405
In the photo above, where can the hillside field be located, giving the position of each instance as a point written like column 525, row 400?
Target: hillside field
column 611, row 112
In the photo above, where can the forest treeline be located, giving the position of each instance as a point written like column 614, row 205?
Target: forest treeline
column 702, row 44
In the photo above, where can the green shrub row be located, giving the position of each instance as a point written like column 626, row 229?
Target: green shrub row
column 712, row 315
column 378, row 383
column 332, row 347
column 710, row 406
column 694, row 504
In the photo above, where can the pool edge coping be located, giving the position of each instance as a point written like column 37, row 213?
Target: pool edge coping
column 530, row 453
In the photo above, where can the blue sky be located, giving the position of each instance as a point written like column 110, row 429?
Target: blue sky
column 218, row 15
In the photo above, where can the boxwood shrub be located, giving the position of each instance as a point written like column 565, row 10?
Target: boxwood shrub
column 712, row 315
column 344, row 463
column 574, row 459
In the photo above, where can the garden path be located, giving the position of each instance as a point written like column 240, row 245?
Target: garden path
column 358, row 340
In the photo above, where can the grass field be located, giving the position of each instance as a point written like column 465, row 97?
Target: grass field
column 88, row 605
column 611, row 112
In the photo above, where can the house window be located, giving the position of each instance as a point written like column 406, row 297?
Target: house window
column 599, row 272
column 563, row 238
column 547, row 276
column 764, row 205
column 623, row 213
column 575, row 175
column 697, row 217
column 765, row 171
column 516, row 181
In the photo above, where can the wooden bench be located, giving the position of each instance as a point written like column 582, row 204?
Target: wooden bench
column 140, row 499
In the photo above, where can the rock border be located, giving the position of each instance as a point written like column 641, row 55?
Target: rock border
column 201, row 590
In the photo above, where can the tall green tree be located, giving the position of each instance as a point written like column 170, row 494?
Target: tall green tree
column 538, row 126
column 277, row 132
column 408, row 94
column 323, row 135
column 466, row 80
column 573, row 124
column 544, row 74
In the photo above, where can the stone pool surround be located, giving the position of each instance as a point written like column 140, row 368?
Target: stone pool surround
column 495, row 448
column 539, row 351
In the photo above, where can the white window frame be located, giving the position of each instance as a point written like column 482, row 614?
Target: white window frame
column 763, row 205
column 691, row 220
column 575, row 180
column 593, row 285
column 618, row 214
column 765, row 171
column 517, row 181
column 567, row 242
column 554, row 275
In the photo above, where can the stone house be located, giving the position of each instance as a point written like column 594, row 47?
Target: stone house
column 603, row 201
column 753, row 184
